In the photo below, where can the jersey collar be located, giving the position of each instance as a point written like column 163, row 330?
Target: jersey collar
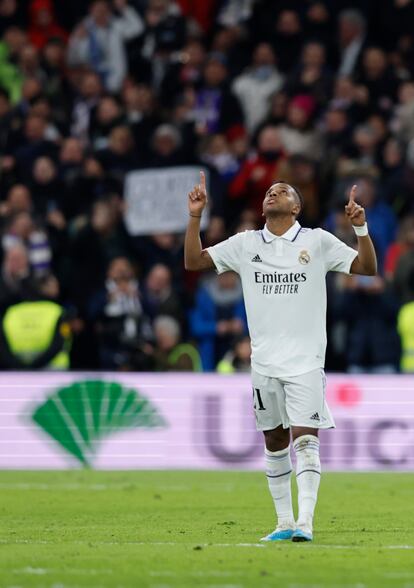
column 290, row 234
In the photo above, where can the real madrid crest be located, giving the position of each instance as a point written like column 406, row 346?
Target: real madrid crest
column 304, row 257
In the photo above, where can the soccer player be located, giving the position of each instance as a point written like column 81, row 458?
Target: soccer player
column 282, row 269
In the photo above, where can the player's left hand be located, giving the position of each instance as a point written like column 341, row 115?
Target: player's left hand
column 354, row 211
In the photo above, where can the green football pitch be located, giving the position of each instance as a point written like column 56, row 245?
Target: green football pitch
column 162, row 529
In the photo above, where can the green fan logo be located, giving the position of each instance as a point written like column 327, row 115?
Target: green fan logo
column 79, row 416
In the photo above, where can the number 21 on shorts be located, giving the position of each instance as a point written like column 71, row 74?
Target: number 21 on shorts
column 257, row 398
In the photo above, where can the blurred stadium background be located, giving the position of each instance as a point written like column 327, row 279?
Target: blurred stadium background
column 108, row 110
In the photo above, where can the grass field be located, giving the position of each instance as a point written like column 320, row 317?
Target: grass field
column 161, row 529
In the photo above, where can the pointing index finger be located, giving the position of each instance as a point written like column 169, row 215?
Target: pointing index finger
column 203, row 181
column 352, row 193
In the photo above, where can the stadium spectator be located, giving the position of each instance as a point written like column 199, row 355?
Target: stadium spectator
column 71, row 157
column 231, row 42
column 335, row 129
column 41, row 106
column 215, row 231
column 318, row 23
column 11, row 78
column 92, row 248
column 394, row 177
column 98, row 41
column 297, row 134
column 158, row 295
column 234, row 14
column 87, row 94
column 29, row 63
column 201, row 15
column 216, row 108
column 45, row 185
column 18, row 199
column 183, row 72
column 170, row 353
column 312, row 76
column 288, row 38
column 166, row 147
column 31, row 89
column 405, row 322
column 164, row 248
column 218, row 315
column 278, row 109
column 352, row 38
column 87, row 185
column 404, row 277
column 165, row 32
column 55, row 84
column 237, row 359
column 16, row 281
column 22, row 230
column 43, row 25
column 362, row 153
column 402, row 116
column 11, row 14
column 216, row 152
column 254, row 87
column 403, row 244
column 118, row 157
column 5, row 117
column 142, row 116
column 34, row 145
column 107, row 115
column 35, row 335
column 379, row 80
column 256, row 174
column 123, row 330
column 369, row 309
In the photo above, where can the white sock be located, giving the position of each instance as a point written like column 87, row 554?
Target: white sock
column 308, row 475
column 278, row 472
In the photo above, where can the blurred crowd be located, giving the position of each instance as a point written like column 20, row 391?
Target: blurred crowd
column 317, row 93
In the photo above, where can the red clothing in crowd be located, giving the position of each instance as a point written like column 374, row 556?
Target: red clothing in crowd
column 202, row 12
column 392, row 257
column 43, row 25
column 254, row 179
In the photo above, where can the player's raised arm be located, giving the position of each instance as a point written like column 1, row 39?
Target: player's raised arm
column 195, row 258
column 365, row 262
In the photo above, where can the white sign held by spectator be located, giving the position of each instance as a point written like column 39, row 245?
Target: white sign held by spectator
column 156, row 199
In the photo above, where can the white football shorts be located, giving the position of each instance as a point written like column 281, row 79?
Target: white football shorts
column 291, row 401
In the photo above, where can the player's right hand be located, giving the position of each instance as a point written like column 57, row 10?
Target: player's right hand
column 197, row 198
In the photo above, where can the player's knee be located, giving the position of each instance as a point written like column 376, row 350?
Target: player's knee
column 276, row 439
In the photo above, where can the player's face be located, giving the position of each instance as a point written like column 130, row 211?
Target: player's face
column 280, row 199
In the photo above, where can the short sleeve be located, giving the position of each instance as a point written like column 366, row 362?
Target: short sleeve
column 228, row 254
column 338, row 256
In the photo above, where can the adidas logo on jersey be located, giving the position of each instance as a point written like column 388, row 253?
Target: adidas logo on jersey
column 315, row 417
column 256, row 258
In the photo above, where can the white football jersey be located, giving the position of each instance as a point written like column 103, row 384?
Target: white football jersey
column 284, row 289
